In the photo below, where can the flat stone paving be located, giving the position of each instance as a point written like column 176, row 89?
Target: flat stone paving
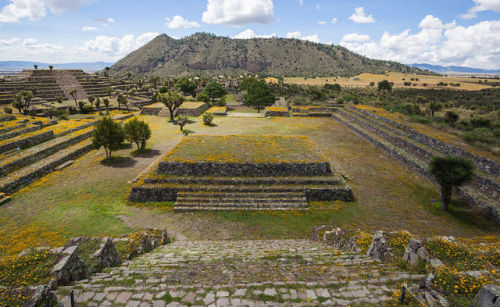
column 241, row 273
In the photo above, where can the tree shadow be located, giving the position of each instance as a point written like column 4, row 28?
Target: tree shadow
column 210, row 125
column 119, row 162
column 125, row 146
column 148, row 153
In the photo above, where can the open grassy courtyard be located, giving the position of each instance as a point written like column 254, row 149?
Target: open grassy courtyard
column 90, row 197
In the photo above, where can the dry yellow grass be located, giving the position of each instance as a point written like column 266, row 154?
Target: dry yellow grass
column 363, row 80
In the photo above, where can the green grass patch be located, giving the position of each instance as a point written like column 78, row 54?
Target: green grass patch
column 86, row 250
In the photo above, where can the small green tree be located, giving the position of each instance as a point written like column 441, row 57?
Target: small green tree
column 435, row 107
column 51, row 67
column 122, row 100
column 74, row 93
column 109, row 91
column 208, row 118
column 108, row 134
column 106, row 71
column 259, row 95
column 172, row 100
column 214, row 90
column 81, row 104
column 181, row 122
column 35, row 66
column 98, row 102
column 384, row 86
column 22, row 101
column 91, row 100
column 450, row 172
column 59, row 99
column 138, row 132
column 202, row 96
column 105, row 101
column 186, row 86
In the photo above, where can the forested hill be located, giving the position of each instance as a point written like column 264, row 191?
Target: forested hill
column 207, row 54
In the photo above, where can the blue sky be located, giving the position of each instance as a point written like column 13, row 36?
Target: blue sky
column 446, row 32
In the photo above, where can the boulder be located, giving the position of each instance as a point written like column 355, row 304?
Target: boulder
column 318, row 231
column 379, row 249
column 415, row 251
column 43, row 296
column 435, row 264
column 70, row 268
column 106, row 255
column 488, row 296
column 341, row 239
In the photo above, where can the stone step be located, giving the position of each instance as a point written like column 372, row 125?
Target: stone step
column 226, row 195
column 249, row 272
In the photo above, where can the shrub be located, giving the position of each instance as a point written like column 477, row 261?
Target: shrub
column 451, row 117
column 208, row 118
column 7, row 110
column 372, row 83
column 483, row 135
column 412, row 109
column 420, row 119
column 480, row 122
column 163, row 89
column 72, row 110
column 81, row 104
column 86, row 109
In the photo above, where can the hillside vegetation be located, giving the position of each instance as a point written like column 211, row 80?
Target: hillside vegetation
column 206, row 54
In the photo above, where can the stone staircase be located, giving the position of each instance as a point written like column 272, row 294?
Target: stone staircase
column 483, row 193
column 194, row 201
column 67, row 81
column 242, row 273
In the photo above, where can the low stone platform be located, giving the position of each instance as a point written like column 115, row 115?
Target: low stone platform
column 242, row 173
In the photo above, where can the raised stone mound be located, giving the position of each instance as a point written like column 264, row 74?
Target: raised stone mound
column 242, row 173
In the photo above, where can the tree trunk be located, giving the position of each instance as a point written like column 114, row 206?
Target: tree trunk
column 138, row 148
column 171, row 115
column 446, row 191
column 143, row 145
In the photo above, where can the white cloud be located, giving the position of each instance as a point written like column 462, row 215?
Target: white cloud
column 178, row 22
column 322, row 22
column 110, row 20
column 116, row 46
column 297, row 35
column 249, row 33
column 355, row 37
column 317, row 7
column 360, row 16
column 238, row 13
column 334, row 20
column 301, row 2
column 37, row 9
column 437, row 43
column 89, row 28
column 482, row 5
column 9, row 42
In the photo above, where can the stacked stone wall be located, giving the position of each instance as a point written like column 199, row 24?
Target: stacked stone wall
column 28, row 142
column 244, row 169
column 482, row 163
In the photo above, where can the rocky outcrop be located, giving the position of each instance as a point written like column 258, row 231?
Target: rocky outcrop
column 488, row 296
column 70, row 268
column 106, row 255
column 342, row 239
column 379, row 249
column 43, row 296
column 426, row 295
column 415, row 252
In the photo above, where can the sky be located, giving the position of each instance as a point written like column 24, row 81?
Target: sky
column 442, row 32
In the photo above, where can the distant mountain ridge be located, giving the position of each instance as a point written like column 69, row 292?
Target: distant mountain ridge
column 455, row 69
column 20, row 65
column 207, row 54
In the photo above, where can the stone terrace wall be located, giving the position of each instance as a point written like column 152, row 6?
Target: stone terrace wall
column 26, row 130
column 413, row 165
column 244, row 169
column 46, row 169
column 28, row 142
column 193, row 112
column 150, row 111
column 6, row 169
column 482, row 163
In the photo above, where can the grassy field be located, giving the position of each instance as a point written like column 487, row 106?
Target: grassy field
column 245, row 149
column 364, row 80
column 90, row 197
